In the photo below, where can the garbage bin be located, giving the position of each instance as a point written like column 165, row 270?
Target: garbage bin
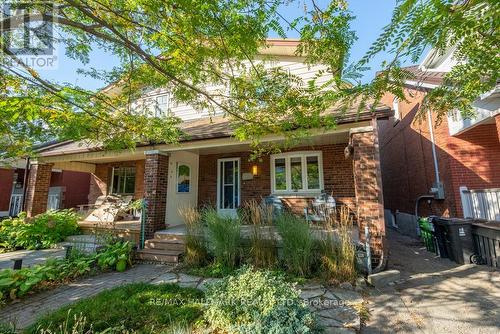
column 427, row 234
column 457, row 237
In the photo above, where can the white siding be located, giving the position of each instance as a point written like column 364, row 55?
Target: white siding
column 295, row 65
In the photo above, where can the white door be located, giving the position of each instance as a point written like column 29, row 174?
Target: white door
column 228, row 186
column 182, row 185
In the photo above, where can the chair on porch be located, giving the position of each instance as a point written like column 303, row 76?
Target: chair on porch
column 321, row 209
column 106, row 209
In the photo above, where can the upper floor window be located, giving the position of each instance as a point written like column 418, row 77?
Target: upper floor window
column 123, row 180
column 395, row 106
column 162, row 103
column 183, row 178
column 297, row 172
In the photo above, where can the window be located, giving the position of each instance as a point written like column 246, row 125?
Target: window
column 123, row 180
column 162, row 105
column 297, row 172
column 183, row 178
column 395, row 106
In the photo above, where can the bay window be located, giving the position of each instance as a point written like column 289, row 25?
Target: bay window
column 295, row 172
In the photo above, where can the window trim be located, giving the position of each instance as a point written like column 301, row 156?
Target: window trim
column 295, row 154
column 179, row 164
column 113, row 180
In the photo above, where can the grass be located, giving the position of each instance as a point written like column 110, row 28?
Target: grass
column 196, row 247
column 263, row 252
column 223, row 237
column 214, row 270
column 140, row 308
column 297, row 243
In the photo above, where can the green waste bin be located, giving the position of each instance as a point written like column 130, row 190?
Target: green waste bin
column 427, row 234
column 457, row 237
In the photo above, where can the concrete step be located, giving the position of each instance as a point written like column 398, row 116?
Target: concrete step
column 162, row 235
column 159, row 255
column 176, row 245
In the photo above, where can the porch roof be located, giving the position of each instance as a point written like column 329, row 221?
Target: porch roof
column 202, row 129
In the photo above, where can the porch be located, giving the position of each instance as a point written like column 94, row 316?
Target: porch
column 218, row 172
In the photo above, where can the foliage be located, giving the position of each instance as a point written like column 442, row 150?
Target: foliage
column 215, row 269
column 17, row 283
column 188, row 46
column 113, row 253
column 297, row 243
column 7, row 329
column 263, row 251
column 223, row 237
column 39, row 232
column 256, row 302
column 141, row 308
column 196, row 248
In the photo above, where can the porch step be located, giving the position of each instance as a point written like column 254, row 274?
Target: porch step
column 174, row 245
column 163, row 235
column 159, row 255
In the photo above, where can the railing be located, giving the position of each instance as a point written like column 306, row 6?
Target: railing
column 16, row 201
column 486, row 238
column 481, row 204
column 53, row 202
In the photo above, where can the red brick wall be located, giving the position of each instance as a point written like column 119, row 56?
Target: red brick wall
column 99, row 181
column 337, row 174
column 6, row 181
column 75, row 187
column 155, row 192
column 38, row 189
column 368, row 187
column 470, row 159
column 497, row 121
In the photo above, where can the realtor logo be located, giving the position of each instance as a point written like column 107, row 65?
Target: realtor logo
column 28, row 34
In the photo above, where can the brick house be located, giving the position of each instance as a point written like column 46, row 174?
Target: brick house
column 209, row 166
column 455, row 165
column 66, row 189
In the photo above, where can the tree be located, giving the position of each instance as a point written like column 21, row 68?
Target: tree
column 187, row 46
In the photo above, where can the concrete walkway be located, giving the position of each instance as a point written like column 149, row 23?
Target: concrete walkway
column 434, row 295
column 30, row 257
column 26, row 311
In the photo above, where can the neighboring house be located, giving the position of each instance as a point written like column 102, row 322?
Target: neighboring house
column 210, row 166
column 455, row 164
column 67, row 189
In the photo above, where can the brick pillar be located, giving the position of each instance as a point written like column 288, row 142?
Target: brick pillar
column 98, row 182
column 497, row 121
column 368, row 188
column 155, row 191
column 37, row 191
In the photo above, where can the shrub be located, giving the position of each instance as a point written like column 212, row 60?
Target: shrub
column 297, row 243
column 338, row 254
column 137, row 307
column 196, row 248
column 7, row 329
column 223, row 237
column 115, row 255
column 39, row 232
column 17, row 283
column 256, row 302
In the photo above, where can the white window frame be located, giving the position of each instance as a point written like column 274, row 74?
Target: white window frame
column 298, row 154
column 179, row 164
column 231, row 212
column 113, row 180
column 395, row 106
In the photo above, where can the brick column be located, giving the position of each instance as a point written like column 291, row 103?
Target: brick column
column 155, row 191
column 37, row 191
column 368, row 188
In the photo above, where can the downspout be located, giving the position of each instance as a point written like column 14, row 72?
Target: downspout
column 434, row 155
column 25, row 183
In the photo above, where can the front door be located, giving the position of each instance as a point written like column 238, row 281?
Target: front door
column 228, row 186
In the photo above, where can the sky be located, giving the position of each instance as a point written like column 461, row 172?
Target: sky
column 371, row 17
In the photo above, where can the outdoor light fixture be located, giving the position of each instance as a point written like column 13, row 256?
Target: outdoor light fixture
column 254, row 170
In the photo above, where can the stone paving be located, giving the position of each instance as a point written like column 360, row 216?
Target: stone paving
column 333, row 306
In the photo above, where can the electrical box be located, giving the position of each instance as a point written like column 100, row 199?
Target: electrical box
column 437, row 190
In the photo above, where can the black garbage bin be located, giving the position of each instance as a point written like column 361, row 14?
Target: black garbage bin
column 456, row 236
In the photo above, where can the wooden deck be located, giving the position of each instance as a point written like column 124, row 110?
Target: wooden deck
column 127, row 229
